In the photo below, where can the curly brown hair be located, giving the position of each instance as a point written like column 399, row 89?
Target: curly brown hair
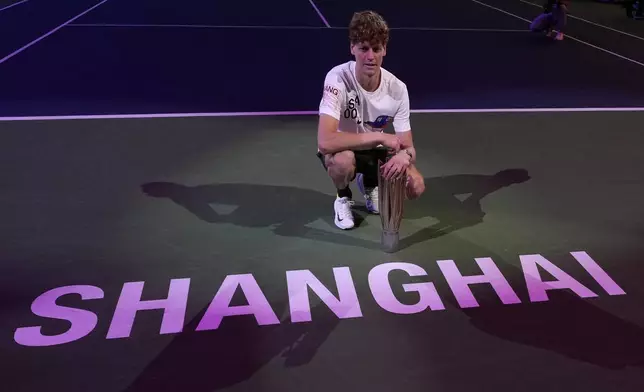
column 368, row 26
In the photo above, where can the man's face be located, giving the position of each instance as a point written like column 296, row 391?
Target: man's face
column 368, row 57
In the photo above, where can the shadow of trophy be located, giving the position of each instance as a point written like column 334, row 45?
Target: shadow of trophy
column 391, row 194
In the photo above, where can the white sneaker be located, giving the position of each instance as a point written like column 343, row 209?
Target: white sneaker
column 370, row 195
column 343, row 214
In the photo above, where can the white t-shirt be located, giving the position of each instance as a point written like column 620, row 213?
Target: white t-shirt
column 359, row 110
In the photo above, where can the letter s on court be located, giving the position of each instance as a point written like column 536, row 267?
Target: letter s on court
column 82, row 321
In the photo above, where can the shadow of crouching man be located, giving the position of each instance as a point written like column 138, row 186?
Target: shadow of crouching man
column 210, row 360
column 287, row 210
column 441, row 201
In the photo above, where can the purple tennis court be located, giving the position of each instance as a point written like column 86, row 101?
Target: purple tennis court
column 166, row 225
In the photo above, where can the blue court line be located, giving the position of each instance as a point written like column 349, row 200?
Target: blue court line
column 10, row 55
column 567, row 36
column 326, row 23
column 571, row 16
column 13, row 5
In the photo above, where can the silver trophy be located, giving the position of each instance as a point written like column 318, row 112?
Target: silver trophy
column 391, row 198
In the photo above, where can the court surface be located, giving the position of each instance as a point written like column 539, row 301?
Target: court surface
column 156, row 150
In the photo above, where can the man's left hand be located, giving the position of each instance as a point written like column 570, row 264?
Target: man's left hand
column 396, row 166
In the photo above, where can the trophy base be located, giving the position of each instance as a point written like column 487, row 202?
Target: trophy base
column 390, row 241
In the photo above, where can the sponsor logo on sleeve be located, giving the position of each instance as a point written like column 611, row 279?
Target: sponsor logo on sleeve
column 331, row 89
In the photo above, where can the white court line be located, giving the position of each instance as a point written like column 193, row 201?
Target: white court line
column 567, row 36
column 10, row 55
column 319, row 13
column 199, row 26
column 312, row 113
column 462, row 29
column 592, row 23
column 13, row 5
column 195, row 26
column 532, row 110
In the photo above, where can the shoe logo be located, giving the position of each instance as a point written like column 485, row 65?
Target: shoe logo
column 339, row 219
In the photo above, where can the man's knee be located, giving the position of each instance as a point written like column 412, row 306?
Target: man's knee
column 342, row 163
column 415, row 185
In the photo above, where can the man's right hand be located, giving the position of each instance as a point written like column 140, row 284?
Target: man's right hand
column 391, row 142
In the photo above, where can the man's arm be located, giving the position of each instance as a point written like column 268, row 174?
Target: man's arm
column 407, row 145
column 329, row 139
column 406, row 156
column 402, row 127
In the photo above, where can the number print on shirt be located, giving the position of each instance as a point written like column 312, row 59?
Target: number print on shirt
column 351, row 111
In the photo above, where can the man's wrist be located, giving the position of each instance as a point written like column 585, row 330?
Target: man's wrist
column 408, row 153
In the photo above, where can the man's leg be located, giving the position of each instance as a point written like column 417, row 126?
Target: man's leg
column 541, row 23
column 560, row 14
column 367, row 176
column 341, row 167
